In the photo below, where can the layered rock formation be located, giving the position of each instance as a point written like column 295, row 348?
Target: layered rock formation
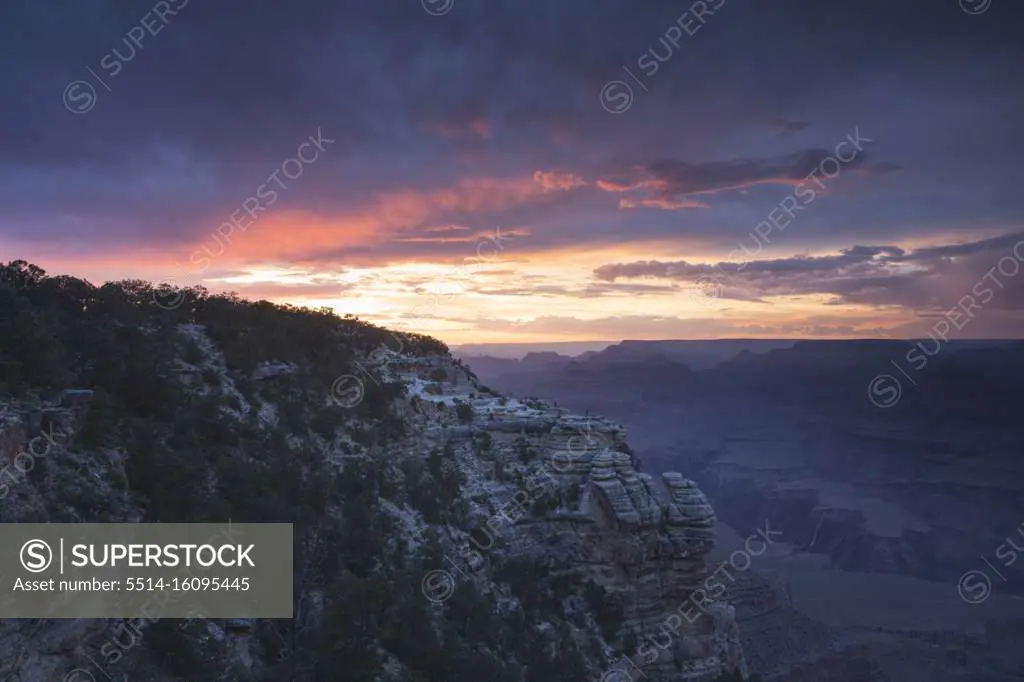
column 546, row 485
column 646, row 541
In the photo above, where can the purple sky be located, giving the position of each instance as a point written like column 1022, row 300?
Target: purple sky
column 490, row 170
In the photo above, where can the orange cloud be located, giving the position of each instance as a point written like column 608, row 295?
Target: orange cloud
column 408, row 208
column 614, row 186
column 431, row 237
column 398, row 216
column 657, row 188
column 279, row 235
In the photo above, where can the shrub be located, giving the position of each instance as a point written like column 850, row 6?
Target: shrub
column 483, row 442
column 464, row 411
column 523, row 449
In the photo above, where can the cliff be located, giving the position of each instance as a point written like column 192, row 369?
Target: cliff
column 645, row 541
column 442, row 531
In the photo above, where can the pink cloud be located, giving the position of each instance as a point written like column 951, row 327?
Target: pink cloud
column 558, row 180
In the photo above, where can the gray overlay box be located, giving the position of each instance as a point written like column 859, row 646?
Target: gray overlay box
column 48, row 571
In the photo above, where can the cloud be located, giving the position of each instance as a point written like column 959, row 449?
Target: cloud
column 412, row 207
column 668, row 183
column 556, row 180
column 448, row 128
column 931, row 278
column 653, row 327
column 285, row 291
column 588, row 290
column 453, row 234
column 662, row 203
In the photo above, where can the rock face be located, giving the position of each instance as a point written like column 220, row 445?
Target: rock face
column 37, row 434
column 645, row 541
column 32, row 434
column 544, row 485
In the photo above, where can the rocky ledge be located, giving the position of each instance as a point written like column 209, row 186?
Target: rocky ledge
column 567, row 487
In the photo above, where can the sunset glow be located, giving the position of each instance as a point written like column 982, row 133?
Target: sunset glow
column 532, row 203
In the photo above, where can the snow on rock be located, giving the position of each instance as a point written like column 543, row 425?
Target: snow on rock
column 409, row 520
column 213, row 361
column 569, row 489
column 267, row 414
column 269, row 370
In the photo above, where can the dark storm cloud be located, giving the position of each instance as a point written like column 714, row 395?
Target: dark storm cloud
column 670, row 180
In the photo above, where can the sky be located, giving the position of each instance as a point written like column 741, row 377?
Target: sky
column 524, row 171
